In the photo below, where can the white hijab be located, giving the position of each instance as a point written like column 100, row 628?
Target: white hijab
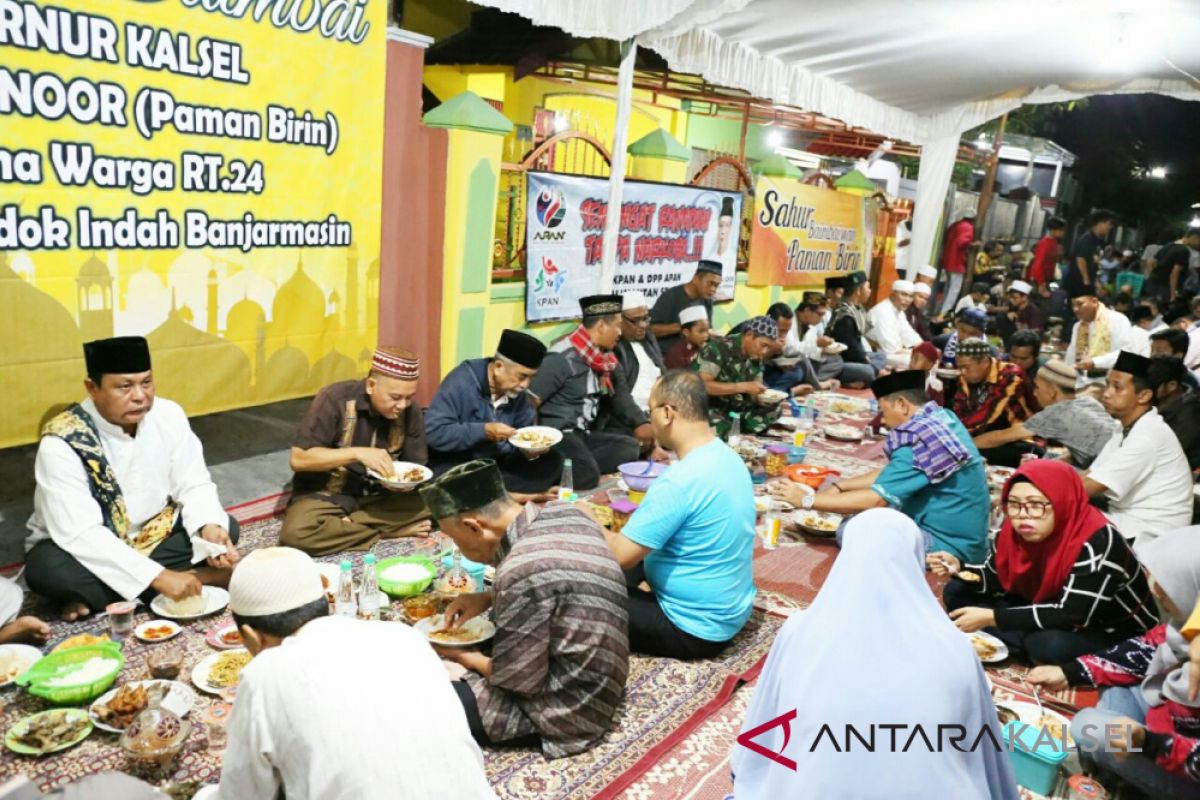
column 1173, row 560
column 875, row 648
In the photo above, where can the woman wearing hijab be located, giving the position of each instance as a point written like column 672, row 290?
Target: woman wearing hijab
column 1156, row 743
column 897, row 660
column 1059, row 580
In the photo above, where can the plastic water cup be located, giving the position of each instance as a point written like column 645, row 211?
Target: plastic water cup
column 770, row 530
column 120, row 620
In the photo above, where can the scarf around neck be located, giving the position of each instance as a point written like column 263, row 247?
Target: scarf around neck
column 600, row 362
column 937, row 452
column 1095, row 339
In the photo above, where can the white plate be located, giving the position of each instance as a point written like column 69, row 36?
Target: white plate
column 206, row 792
column 17, row 655
column 1001, row 648
column 798, row 518
column 201, row 670
column 554, row 433
column 215, row 599
column 843, row 433
column 140, row 630
column 482, row 628
column 1029, row 713
column 400, row 468
column 179, row 700
column 834, row 349
column 771, row 397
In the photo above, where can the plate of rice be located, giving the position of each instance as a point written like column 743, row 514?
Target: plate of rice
column 211, row 600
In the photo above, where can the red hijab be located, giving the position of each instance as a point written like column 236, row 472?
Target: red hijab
column 1037, row 571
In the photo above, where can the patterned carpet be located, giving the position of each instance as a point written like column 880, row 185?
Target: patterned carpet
column 665, row 701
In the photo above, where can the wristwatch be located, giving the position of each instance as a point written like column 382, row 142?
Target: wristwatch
column 807, row 502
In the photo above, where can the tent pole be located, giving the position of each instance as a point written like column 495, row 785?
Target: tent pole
column 616, row 178
column 989, row 180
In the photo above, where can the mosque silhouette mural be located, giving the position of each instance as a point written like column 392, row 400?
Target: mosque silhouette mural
column 222, row 335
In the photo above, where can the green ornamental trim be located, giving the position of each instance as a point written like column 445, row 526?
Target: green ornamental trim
column 777, row 166
column 468, row 111
column 660, row 144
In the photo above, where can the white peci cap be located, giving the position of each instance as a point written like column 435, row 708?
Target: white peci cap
column 692, row 314
column 928, row 271
column 274, row 580
column 902, row 285
column 923, row 289
column 634, row 299
column 1016, row 248
column 1020, row 286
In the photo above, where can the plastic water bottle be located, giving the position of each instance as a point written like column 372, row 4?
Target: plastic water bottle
column 345, row 605
column 368, row 592
column 566, row 486
column 735, row 428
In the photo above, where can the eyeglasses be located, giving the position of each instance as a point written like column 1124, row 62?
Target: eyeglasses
column 636, row 320
column 1034, row 509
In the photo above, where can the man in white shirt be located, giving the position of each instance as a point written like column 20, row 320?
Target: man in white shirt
column 1096, row 338
column 638, row 353
column 1142, row 327
column 976, row 299
column 337, row 707
column 808, row 339
column 890, row 329
column 124, row 505
column 1142, row 470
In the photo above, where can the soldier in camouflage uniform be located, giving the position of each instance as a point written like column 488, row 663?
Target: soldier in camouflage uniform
column 732, row 371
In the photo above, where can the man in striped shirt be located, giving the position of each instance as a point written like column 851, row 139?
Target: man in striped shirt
column 560, row 655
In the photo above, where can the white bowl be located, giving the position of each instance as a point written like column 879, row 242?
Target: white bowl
column 553, row 434
column 399, row 468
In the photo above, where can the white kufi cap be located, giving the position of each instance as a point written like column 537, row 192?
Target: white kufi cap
column 634, row 299
column 274, row 580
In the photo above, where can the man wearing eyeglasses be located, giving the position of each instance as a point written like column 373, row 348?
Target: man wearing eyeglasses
column 638, row 353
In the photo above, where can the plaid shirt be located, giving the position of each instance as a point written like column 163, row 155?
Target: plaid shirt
column 561, row 652
column 999, row 402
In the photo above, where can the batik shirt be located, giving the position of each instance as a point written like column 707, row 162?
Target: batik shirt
column 998, row 402
column 561, row 652
column 724, row 361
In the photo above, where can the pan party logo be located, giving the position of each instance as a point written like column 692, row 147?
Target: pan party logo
column 550, row 208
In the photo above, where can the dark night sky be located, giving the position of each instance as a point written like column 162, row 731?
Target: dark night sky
column 1114, row 134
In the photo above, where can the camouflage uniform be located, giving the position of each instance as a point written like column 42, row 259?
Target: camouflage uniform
column 723, row 360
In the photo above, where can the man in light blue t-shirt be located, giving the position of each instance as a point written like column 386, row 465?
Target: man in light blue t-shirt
column 692, row 538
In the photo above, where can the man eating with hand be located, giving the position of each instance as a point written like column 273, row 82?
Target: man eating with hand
column 480, row 406
column 352, row 429
column 560, row 655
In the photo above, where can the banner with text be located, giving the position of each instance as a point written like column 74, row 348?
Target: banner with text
column 665, row 231
column 803, row 234
column 200, row 172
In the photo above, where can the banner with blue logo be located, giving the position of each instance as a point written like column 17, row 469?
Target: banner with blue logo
column 665, row 230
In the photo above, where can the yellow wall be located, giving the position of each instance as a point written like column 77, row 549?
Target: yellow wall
column 472, row 321
column 593, row 104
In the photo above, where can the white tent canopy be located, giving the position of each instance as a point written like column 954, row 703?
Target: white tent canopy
column 922, row 71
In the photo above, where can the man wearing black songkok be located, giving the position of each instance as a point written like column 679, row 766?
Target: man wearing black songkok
column 124, row 506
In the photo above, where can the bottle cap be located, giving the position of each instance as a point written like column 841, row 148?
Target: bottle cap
column 566, row 462
column 346, row 565
column 734, row 415
column 369, row 559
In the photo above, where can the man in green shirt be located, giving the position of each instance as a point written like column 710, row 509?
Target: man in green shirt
column 732, row 371
column 934, row 473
